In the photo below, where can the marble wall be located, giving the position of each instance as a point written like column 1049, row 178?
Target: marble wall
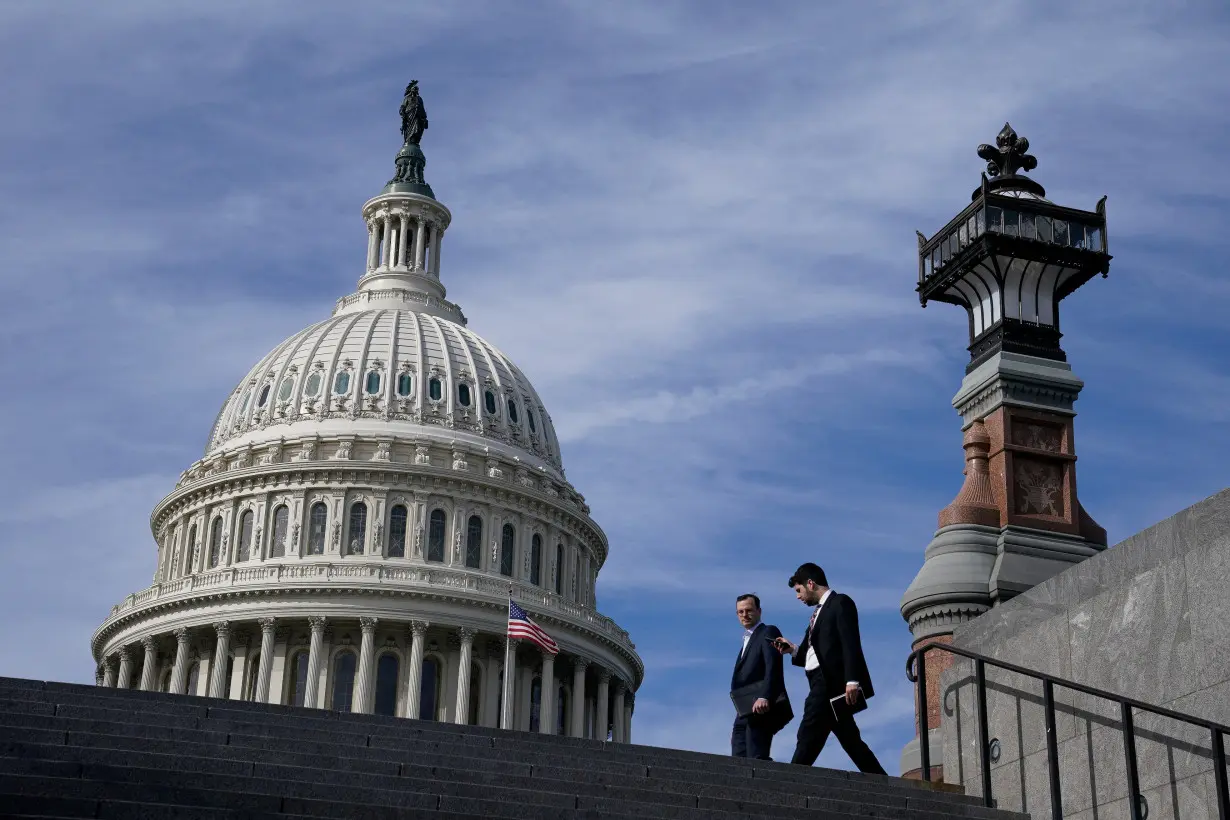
column 1144, row 619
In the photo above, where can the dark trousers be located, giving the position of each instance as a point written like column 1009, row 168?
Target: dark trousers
column 818, row 722
column 750, row 739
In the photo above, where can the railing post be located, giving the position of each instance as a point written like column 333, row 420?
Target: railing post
column 984, row 732
column 1129, row 756
column 1052, row 749
column 924, row 733
column 1219, row 776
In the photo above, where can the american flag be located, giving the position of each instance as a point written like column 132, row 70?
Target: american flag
column 520, row 626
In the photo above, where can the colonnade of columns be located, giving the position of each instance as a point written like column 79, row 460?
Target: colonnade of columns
column 273, row 679
column 400, row 241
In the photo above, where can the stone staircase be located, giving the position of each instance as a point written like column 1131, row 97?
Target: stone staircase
column 68, row 750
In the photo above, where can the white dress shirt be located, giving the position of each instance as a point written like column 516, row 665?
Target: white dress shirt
column 813, row 662
column 747, row 636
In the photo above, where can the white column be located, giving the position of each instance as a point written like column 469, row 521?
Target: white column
column 239, row 672
column 277, row 677
column 602, row 704
column 362, row 702
column 315, row 658
column 490, row 716
column 179, row 669
column 420, row 236
column 403, row 241
column 124, row 681
column 414, row 672
column 546, row 705
column 266, row 668
column 387, row 249
column 217, row 670
column 100, row 674
column 436, row 234
column 617, row 719
column 149, row 667
column 373, row 239
column 108, row 673
column 509, row 703
column 579, row 665
column 525, row 699
column 629, row 705
column 462, row 712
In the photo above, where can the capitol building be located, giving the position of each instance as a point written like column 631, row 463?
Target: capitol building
column 372, row 489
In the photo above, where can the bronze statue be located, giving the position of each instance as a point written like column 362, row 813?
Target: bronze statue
column 413, row 115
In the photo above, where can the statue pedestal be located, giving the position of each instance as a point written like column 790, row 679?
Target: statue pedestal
column 408, row 179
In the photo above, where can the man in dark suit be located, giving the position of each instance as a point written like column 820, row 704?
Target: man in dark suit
column 832, row 654
column 759, row 668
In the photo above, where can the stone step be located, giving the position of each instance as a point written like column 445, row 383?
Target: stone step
column 383, row 726
column 118, row 735
column 492, row 785
column 421, row 736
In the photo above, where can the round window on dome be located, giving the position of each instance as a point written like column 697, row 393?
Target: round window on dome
column 463, row 394
column 264, row 397
column 404, row 384
column 489, row 402
column 288, row 384
column 373, row 383
column 341, row 384
column 434, row 390
column 312, row 388
column 512, row 411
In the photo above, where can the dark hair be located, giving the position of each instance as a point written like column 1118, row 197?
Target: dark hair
column 808, row 572
column 754, row 599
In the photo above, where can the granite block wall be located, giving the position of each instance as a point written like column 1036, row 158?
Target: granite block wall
column 1143, row 619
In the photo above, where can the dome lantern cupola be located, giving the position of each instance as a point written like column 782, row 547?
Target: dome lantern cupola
column 405, row 226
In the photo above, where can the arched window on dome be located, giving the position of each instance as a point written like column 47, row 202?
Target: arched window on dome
column 281, row 522
column 318, row 522
column 344, row 666
column 463, row 394
column 508, row 539
column 264, row 396
column 341, row 383
column 215, row 543
column 559, row 568
column 529, row 416
column 429, row 695
column 489, row 403
column 356, row 536
column 435, row 536
column 405, row 384
column 297, row 679
column 287, row 387
column 434, row 389
column 312, row 388
column 512, row 412
column 189, row 552
column 397, row 531
column 474, row 542
column 245, row 535
column 536, row 560
column 372, row 385
column 386, row 685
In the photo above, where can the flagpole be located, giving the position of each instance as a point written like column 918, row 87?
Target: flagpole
column 504, row 713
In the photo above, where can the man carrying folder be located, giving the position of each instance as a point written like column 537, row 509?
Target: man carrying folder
column 757, row 687
column 832, row 654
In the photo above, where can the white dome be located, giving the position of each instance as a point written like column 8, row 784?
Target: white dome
column 389, row 372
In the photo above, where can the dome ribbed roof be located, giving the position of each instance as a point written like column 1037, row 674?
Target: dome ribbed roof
column 388, row 372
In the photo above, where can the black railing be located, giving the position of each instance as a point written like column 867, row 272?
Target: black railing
column 916, row 672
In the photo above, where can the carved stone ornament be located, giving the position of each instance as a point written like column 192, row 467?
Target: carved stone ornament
column 308, row 451
column 493, row 469
column 337, row 534
column 382, row 451
column 1039, row 487
column 1037, row 436
column 421, row 454
column 459, row 461
column 378, row 539
column 343, row 450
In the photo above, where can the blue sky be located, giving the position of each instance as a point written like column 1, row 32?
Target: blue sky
column 691, row 224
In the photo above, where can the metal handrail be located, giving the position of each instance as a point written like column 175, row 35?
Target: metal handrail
column 916, row 673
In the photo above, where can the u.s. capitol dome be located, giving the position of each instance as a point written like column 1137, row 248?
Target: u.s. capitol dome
column 369, row 493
